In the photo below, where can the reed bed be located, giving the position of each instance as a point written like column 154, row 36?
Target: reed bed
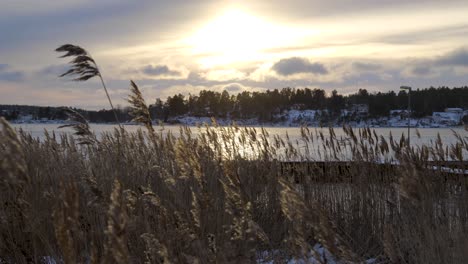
column 228, row 195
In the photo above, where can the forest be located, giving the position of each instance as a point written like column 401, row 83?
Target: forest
column 264, row 105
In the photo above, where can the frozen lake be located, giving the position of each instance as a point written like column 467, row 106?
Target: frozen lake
column 427, row 134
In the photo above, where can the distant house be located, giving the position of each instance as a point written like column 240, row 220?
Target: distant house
column 26, row 118
column 357, row 110
column 451, row 116
column 302, row 116
column 360, row 109
column 399, row 113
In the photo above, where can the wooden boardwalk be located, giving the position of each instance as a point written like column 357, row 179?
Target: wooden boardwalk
column 348, row 171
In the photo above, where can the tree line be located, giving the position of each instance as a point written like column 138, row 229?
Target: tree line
column 47, row 113
column 264, row 105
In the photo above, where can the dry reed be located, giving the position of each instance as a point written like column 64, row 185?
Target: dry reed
column 229, row 195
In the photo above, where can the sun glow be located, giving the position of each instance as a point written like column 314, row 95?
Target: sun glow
column 237, row 36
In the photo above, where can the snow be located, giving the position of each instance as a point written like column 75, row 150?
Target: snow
column 287, row 118
column 449, row 118
column 318, row 251
column 397, row 122
column 398, row 112
column 298, row 117
column 195, row 121
column 295, row 118
column 450, row 170
column 30, row 120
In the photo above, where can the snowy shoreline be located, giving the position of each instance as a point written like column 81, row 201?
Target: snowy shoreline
column 195, row 121
column 298, row 121
column 291, row 118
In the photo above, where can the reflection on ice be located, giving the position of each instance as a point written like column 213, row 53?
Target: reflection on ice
column 283, row 143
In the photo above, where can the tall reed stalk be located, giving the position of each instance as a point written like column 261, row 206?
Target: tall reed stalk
column 84, row 67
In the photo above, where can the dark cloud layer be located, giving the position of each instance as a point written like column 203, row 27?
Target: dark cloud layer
column 458, row 57
column 295, row 65
column 6, row 74
column 421, row 70
column 160, row 70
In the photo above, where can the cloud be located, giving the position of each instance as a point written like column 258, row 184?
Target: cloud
column 421, row 70
column 457, row 57
column 160, row 70
column 234, row 87
column 364, row 66
column 224, row 75
column 426, row 35
column 296, row 65
column 53, row 70
column 370, row 78
column 8, row 75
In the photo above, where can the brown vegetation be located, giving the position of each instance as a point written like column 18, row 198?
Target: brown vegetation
column 223, row 197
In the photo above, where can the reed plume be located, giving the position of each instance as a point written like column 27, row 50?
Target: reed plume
column 84, row 67
column 81, row 127
column 139, row 109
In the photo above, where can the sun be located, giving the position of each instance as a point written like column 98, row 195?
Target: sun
column 236, row 36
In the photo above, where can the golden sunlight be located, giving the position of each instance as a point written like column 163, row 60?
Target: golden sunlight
column 237, row 36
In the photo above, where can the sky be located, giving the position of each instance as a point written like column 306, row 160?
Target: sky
column 180, row 46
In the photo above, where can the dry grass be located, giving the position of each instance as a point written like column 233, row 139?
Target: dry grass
column 200, row 199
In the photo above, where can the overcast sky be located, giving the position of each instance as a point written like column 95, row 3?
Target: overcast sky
column 181, row 46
